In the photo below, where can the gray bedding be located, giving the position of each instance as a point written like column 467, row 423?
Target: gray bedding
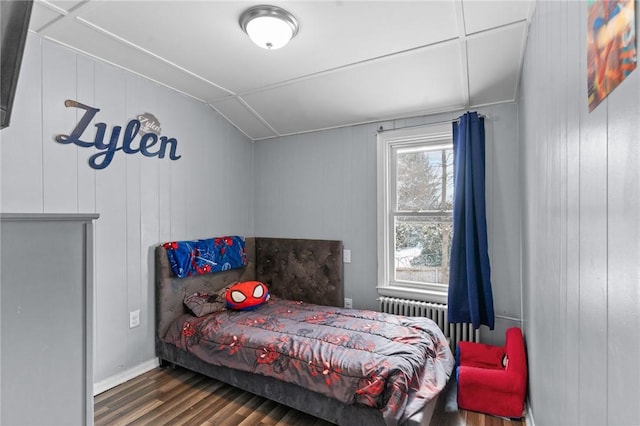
column 388, row 362
column 291, row 269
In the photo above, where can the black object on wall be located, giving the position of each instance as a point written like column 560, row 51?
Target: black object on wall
column 15, row 17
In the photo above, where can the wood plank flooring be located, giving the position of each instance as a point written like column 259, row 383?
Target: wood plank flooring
column 181, row 397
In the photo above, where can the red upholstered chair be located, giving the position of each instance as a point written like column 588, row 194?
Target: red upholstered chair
column 493, row 379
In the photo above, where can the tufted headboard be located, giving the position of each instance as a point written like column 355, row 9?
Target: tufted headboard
column 307, row 270
column 296, row 269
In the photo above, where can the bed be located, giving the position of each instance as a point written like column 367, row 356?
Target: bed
column 346, row 379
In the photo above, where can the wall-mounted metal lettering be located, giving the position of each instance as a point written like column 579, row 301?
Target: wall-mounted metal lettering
column 149, row 124
column 102, row 159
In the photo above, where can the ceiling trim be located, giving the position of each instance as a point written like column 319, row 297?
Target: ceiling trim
column 464, row 57
column 479, row 34
column 62, row 12
column 523, row 48
column 523, row 24
column 52, row 7
column 251, row 111
column 340, row 68
column 230, row 121
column 532, row 8
column 70, row 18
column 113, row 64
column 141, row 49
column 392, row 118
column 257, row 115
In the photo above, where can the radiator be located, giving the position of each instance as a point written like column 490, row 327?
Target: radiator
column 435, row 311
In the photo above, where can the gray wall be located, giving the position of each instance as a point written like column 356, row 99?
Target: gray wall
column 323, row 185
column 581, row 239
column 318, row 185
column 142, row 201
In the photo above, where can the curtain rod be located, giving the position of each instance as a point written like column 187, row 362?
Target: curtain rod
column 382, row 129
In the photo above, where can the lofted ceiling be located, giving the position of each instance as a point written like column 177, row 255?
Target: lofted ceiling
column 352, row 61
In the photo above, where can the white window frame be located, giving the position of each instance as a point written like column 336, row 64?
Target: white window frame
column 435, row 134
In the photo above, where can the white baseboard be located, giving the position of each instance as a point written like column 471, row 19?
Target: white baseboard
column 528, row 416
column 118, row 379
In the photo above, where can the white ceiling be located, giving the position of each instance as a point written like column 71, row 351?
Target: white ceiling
column 351, row 62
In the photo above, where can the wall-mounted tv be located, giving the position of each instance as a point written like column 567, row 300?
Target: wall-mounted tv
column 14, row 17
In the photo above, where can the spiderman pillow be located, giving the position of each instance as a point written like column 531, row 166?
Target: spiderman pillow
column 246, row 295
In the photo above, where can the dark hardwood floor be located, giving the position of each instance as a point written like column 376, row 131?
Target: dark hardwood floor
column 181, row 397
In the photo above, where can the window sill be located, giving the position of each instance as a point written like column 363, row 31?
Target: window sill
column 413, row 293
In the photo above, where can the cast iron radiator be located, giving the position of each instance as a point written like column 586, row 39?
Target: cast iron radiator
column 436, row 312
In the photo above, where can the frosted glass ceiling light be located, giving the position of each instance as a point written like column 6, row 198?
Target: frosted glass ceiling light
column 269, row 27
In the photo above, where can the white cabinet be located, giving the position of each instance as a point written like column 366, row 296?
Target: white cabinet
column 46, row 316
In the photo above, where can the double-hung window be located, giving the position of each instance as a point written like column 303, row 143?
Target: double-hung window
column 415, row 211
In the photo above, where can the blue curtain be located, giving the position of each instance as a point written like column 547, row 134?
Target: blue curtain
column 470, row 296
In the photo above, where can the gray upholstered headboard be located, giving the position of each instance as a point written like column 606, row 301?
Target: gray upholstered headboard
column 307, row 270
column 296, row 269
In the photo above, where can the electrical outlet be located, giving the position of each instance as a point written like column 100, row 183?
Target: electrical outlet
column 346, row 256
column 134, row 318
column 348, row 303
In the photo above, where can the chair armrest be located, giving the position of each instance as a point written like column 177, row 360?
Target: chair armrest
column 498, row 380
column 479, row 355
column 515, row 350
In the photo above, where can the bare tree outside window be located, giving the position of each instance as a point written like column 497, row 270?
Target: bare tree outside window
column 423, row 213
column 415, row 211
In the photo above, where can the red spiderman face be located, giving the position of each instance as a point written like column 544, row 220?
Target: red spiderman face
column 247, row 295
column 172, row 245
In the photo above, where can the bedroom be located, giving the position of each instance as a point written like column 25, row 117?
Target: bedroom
column 563, row 184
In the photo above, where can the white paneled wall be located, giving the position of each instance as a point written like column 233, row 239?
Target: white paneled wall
column 581, row 229
column 142, row 201
column 318, row 185
column 323, row 185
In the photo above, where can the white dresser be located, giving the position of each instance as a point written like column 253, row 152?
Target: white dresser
column 46, row 319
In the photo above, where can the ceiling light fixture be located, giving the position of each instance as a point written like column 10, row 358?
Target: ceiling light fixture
column 270, row 27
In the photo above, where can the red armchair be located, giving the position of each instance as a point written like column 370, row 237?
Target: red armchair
column 493, row 379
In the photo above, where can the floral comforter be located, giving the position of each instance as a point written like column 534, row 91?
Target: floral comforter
column 394, row 363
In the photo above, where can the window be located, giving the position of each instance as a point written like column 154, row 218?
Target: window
column 415, row 212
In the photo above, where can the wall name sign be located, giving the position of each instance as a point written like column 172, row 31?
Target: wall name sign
column 147, row 146
column 148, row 124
